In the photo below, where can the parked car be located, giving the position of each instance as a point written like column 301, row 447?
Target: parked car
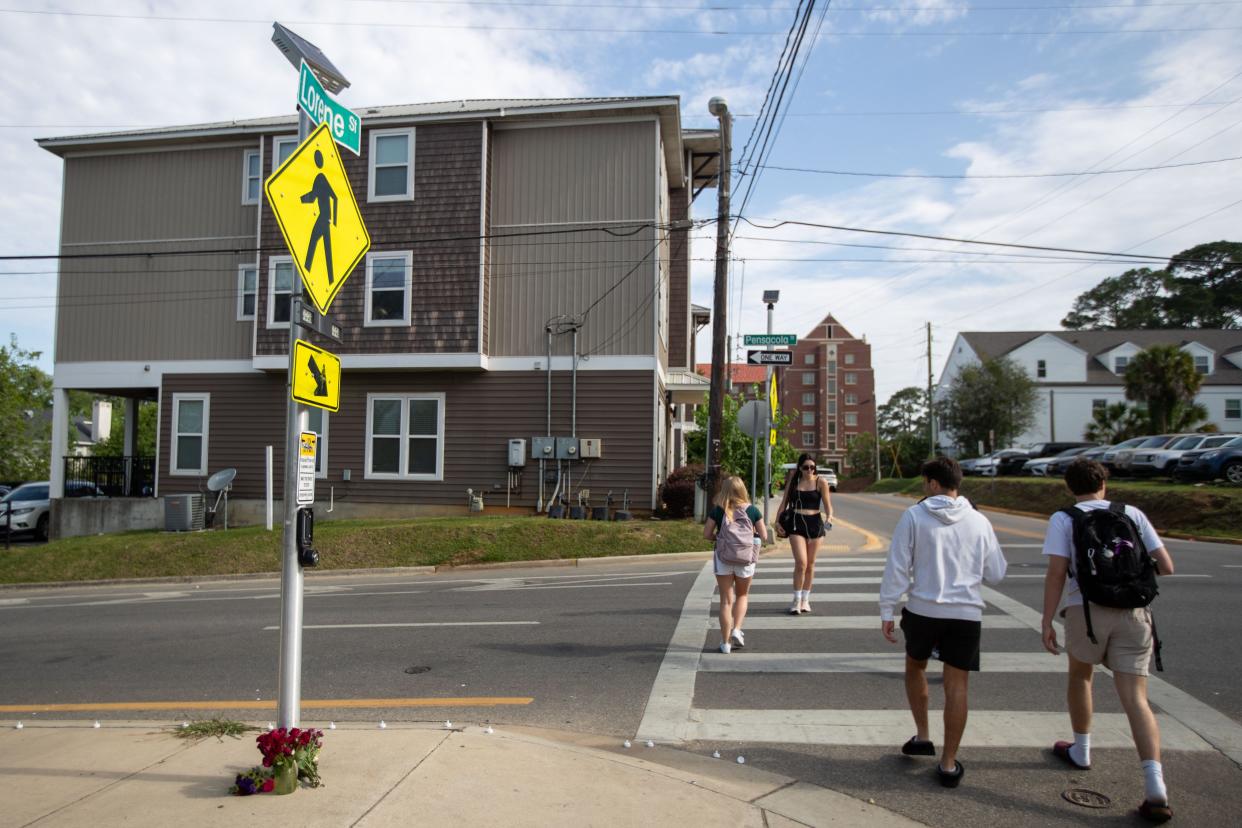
column 1110, row 454
column 1150, row 462
column 1209, row 464
column 1011, row 464
column 1056, row 465
column 29, row 504
column 1015, row 464
column 990, row 466
column 1123, row 458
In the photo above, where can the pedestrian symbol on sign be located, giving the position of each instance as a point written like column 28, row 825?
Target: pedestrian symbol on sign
column 321, row 192
column 321, row 382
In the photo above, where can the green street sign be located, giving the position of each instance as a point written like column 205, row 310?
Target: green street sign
column 770, row 339
column 320, row 107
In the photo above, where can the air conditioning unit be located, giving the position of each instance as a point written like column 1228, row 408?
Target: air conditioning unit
column 183, row 513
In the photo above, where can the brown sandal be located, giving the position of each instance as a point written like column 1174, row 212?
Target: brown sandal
column 1155, row 811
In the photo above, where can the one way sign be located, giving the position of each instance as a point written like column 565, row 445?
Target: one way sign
column 769, row 357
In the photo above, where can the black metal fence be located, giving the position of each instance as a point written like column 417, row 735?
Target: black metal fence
column 114, row 476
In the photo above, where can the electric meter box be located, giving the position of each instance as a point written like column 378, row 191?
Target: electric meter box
column 591, row 448
column 543, row 448
column 566, row 448
column 517, row 452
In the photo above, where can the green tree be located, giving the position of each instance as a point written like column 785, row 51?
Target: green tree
column 1114, row 423
column 25, row 429
column 1161, row 377
column 904, row 413
column 114, row 445
column 736, row 447
column 991, row 403
column 860, row 454
column 1191, row 416
column 1199, row 288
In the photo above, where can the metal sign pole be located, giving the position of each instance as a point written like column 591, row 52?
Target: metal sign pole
column 767, row 443
column 289, row 712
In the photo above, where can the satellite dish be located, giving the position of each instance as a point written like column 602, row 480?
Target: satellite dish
column 221, row 480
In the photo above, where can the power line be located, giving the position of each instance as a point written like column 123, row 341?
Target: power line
column 1006, row 175
column 753, row 7
column 867, row 113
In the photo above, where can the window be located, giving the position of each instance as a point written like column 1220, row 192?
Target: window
column 388, row 288
column 808, row 418
column 832, row 445
column 851, row 399
column 808, row 399
column 189, row 439
column 319, row 425
column 1120, row 363
column 809, row 359
column 247, row 291
column 1202, row 364
column 1233, row 409
column 282, row 149
column 851, row 378
column 851, row 418
column 808, row 439
column 405, row 436
column 279, row 290
column 1098, row 405
column 832, row 428
column 808, row 377
column 252, row 177
column 1041, row 369
column 832, row 367
column 832, row 387
column 832, row 406
column 390, row 176
column 849, row 359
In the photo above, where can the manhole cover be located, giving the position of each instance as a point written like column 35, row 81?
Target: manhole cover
column 1086, row 798
column 415, row 670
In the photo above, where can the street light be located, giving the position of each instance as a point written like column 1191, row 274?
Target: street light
column 297, row 49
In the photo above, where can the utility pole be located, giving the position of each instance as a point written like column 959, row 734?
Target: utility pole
column 931, row 415
column 719, row 107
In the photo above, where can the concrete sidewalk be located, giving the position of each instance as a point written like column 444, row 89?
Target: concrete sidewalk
column 137, row 773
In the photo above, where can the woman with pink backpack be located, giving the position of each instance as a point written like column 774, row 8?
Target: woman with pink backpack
column 737, row 529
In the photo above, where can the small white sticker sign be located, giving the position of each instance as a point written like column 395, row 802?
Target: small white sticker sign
column 306, row 468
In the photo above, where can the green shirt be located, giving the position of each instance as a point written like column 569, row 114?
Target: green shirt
column 752, row 512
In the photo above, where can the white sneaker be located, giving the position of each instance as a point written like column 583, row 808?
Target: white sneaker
column 725, row 648
column 738, row 638
column 794, row 606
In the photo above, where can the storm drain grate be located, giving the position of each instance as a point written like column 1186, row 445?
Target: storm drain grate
column 416, row 669
column 1086, row 798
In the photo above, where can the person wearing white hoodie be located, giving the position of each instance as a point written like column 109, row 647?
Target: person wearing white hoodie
column 942, row 551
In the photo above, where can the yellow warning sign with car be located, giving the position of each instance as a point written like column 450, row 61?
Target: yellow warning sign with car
column 315, row 208
column 316, row 376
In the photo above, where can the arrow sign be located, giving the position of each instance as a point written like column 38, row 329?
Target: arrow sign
column 769, row 357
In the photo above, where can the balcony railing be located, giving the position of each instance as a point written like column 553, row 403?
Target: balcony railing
column 114, row 476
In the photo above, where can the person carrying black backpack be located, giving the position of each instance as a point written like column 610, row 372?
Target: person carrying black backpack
column 1105, row 556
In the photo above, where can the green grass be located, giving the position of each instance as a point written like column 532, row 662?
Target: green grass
column 1208, row 510
column 346, row 544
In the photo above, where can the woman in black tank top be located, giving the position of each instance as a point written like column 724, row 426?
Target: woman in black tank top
column 800, row 518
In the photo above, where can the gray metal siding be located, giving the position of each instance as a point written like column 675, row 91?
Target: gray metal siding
column 153, row 308
column 582, row 173
column 482, row 411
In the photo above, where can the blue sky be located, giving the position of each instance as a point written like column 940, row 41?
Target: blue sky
column 1150, row 85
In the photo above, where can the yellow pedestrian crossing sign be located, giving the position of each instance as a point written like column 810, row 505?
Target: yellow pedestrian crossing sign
column 314, row 205
column 772, row 409
column 316, row 376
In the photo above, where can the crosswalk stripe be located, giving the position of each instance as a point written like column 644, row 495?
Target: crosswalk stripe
column 787, row 561
column 820, row 581
column 816, row 597
column 748, row 662
column 823, row 567
column 985, row 728
column 848, row 622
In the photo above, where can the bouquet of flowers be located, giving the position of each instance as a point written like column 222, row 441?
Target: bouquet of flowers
column 295, row 746
column 256, row 780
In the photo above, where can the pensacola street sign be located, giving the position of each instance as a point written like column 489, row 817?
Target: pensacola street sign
column 769, row 357
column 770, row 339
column 313, row 202
column 315, row 101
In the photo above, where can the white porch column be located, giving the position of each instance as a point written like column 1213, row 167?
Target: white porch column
column 131, row 425
column 60, row 441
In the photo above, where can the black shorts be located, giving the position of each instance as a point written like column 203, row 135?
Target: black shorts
column 808, row 526
column 952, row 640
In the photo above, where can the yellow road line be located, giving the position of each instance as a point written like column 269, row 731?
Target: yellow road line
column 309, row 704
column 872, row 541
column 1022, row 533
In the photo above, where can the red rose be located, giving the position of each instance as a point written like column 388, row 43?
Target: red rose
column 268, row 784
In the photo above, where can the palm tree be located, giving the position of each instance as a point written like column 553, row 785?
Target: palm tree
column 1115, row 422
column 1161, row 377
column 1190, row 417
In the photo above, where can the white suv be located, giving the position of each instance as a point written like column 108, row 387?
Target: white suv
column 28, row 505
column 828, row 475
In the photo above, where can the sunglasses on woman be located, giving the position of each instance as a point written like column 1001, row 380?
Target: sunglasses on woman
column 807, row 468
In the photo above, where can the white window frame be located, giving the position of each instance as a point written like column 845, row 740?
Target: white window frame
column 409, row 170
column 851, row 399
column 1237, row 409
column 1098, row 404
column 851, row 378
column 404, row 435
column 849, row 359
column 1207, row 363
column 279, row 142
column 808, row 399
column 809, row 358
column 808, row 418
column 1041, row 369
column 173, row 470
column 808, row 439
column 321, row 446
column 247, row 177
column 808, row 377
column 272, row 262
column 408, row 257
column 851, row 419
column 1120, row 363
column 242, row 316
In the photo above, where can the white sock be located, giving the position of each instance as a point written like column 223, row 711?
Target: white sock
column 1153, row 777
column 1080, row 751
column 798, row 595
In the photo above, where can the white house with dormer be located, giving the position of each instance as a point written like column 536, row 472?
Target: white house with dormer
column 1077, row 372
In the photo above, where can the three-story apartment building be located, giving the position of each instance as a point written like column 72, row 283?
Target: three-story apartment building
column 527, row 277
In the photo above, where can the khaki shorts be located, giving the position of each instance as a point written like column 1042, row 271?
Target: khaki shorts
column 1124, row 636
